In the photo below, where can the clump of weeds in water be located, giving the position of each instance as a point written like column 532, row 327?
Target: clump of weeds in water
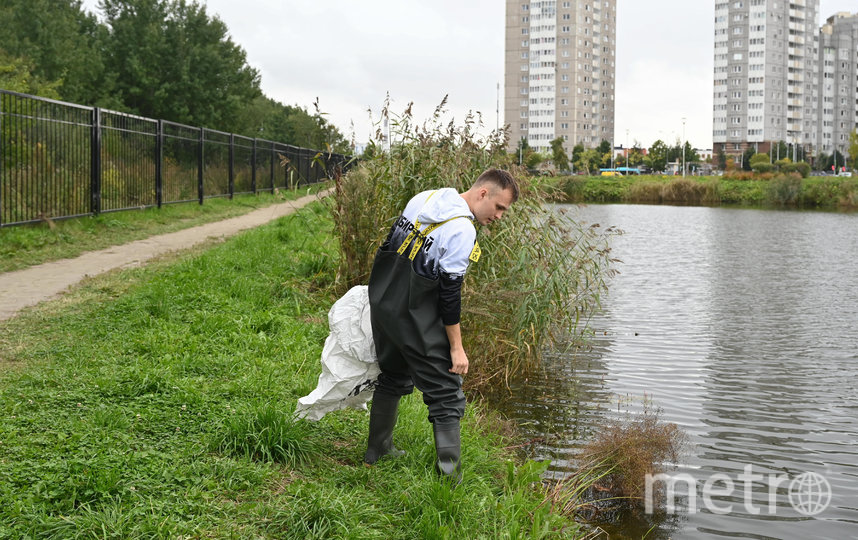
column 541, row 274
column 624, row 452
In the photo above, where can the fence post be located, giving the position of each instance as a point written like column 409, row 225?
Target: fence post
column 253, row 168
column 2, row 151
column 95, row 162
column 159, row 163
column 272, row 168
column 200, row 164
column 231, row 164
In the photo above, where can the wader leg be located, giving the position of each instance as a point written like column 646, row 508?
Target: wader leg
column 382, row 418
column 448, row 450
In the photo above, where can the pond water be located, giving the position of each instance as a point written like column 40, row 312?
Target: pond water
column 741, row 326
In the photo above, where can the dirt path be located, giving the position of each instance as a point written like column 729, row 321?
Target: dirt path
column 28, row 287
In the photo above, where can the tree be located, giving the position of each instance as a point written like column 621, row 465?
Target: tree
column 589, row 161
column 691, row 155
column 674, row 154
column 522, row 151
column 171, row 60
column 577, row 152
column 779, row 150
column 759, row 163
column 16, row 74
column 604, row 147
column 58, row 42
column 558, row 155
column 635, row 157
column 721, row 159
column 268, row 119
column 853, row 148
column 658, row 153
column 746, row 158
column 533, row 160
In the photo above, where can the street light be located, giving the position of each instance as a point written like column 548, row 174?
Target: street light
column 683, row 147
column 627, row 149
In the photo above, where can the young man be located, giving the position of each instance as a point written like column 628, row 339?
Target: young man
column 415, row 302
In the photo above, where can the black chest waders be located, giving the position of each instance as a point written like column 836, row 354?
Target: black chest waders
column 413, row 350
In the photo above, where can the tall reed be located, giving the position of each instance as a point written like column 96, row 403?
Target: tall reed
column 540, row 275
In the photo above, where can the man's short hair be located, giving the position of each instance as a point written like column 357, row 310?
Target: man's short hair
column 501, row 179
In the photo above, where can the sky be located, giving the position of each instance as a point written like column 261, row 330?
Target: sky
column 350, row 55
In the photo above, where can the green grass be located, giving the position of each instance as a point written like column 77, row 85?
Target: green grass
column 28, row 245
column 823, row 192
column 156, row 403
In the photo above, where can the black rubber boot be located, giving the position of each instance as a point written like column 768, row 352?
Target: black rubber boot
column 382, row 418
column 448, row 448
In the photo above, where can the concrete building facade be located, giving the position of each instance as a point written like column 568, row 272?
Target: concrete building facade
column 765, row 74
column 838, row 82
column 559, row 76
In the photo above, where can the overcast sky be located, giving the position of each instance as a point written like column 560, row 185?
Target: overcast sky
column 350, row 54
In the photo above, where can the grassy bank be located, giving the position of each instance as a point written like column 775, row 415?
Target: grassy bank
column 28, row 245
column 155, row 402
column 823, row 192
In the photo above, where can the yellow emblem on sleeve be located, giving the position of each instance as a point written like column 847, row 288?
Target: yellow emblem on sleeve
column 475, row 253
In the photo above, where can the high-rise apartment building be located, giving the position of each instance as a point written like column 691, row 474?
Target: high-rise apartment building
column 560, row 71
column 838, row 82
column 765, row 79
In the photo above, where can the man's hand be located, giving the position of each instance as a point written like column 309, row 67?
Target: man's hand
column 457, row 352
column 460, row 361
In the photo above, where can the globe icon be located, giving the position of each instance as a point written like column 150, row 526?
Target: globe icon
column 809, row 493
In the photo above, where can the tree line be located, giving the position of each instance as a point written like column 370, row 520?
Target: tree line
column 164, row 59
column 591, row 160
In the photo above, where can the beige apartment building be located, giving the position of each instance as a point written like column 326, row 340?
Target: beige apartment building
column 560, row 64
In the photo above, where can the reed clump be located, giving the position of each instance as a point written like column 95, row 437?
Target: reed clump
column 623, row 453
column 646, row 192
column 674, row 191
column 540, row 275
column 689, row 191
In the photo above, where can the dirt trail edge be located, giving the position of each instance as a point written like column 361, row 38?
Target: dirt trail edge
column 30, row 286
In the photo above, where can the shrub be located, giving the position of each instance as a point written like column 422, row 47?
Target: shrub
column 572, row 188
column 739, row 175
column 763, row 167
column 758, row 159
column 784, row 189
column 540, row 272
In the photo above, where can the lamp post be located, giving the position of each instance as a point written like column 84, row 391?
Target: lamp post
column 612, row 152
column 627, row 149
column 683, row 147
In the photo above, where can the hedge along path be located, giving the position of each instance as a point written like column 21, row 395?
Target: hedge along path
column 30, row 286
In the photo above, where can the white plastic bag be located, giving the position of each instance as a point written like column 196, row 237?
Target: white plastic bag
column 349, row 365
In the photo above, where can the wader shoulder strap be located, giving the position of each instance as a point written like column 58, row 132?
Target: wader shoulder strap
column 421, row 236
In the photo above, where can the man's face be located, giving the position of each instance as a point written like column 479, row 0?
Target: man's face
column 492, row 202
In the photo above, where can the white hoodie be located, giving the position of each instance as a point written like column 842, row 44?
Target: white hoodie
column 448, row 247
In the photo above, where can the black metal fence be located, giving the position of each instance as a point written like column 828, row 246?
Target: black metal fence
column 60, row 160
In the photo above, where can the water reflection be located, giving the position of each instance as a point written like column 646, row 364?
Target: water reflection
column 740, row 326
